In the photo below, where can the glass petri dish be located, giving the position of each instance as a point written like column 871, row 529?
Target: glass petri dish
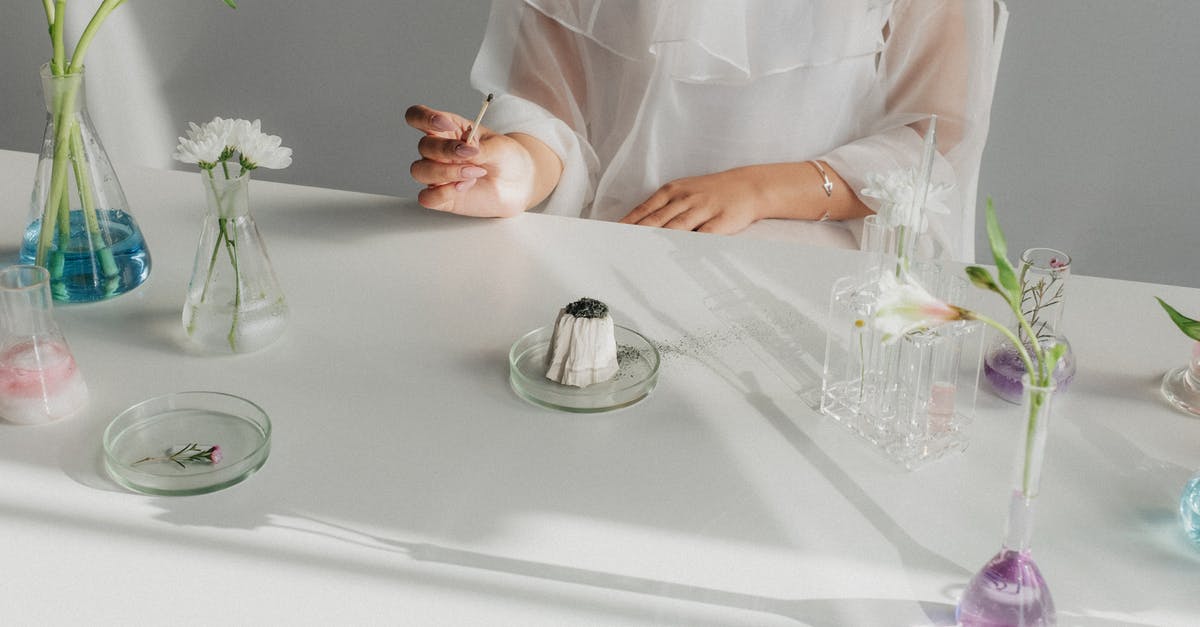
column 138, row 441
column 637, row 360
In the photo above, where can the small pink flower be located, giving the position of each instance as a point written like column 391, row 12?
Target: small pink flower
column 185, row 454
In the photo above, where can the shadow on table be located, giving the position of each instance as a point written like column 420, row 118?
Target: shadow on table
column 788, row 339
column 807, row 611
column 194, row 512
column 789, row 342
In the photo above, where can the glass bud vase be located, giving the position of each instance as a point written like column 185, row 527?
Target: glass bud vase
column 1010, row 589
column 234, row 302
column 1181, row 386
column 39, row 379
column 912, row 398
column 1043, row 273
column 80, row 228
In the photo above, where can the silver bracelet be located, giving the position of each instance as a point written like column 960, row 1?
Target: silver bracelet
column 827, row 185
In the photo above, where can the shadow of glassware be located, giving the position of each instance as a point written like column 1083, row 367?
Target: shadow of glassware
column 199, row 512
column 912, row 553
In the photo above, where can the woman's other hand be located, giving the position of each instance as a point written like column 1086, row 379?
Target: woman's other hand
column 725, row 202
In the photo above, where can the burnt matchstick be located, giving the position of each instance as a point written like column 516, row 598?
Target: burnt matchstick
column 479, row 118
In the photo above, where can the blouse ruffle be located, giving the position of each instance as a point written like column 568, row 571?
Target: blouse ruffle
column 726, row 40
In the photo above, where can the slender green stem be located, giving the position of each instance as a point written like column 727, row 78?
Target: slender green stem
column 901, row 254
column 99, row 246
column 63, row 111
column 231, row 246
column 58, row 63
column 85, row 40
column 1036, row 398
column 1042, row 375
column 49, row 6
column 1024, row 354
column 212, row 261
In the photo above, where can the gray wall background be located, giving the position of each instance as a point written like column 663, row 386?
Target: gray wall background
column 1094, row 144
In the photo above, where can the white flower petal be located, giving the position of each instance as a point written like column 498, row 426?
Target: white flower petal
column 265, row 151
column 895, row 191
column 905, row 306
column 204, row 149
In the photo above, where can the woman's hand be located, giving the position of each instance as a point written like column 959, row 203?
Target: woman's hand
column 729, row 201
column 494, row 176
column 725, row 202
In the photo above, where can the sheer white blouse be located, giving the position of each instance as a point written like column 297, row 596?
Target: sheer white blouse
column 632, row 94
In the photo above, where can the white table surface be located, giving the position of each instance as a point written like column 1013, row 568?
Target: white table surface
column 409, row 485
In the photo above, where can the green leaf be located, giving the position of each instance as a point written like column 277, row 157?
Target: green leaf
column 1054, row 354
column 982, row 278
column 231, row 4
column 1008, row 277
column 1190, row 328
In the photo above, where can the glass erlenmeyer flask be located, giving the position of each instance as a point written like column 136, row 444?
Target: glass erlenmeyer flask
column 1043, row 274
column 80, row 228
column 39, row 379
column 234, row 302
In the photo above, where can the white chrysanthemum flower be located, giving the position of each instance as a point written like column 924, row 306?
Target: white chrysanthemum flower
column 896, row 190
column 264, row 151
column 243, row 131
column 201, row 148
column 905, row 306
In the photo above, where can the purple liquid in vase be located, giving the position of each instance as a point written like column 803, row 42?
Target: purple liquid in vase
column 1003, row 369
column 1008, row 591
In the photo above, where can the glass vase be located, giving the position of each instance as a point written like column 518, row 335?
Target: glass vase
column 1181, row 386
column 912, row 398
column 39, row 379
column 80, row 228
column 1010, row 589
column 234, row 302
column 1043, row 273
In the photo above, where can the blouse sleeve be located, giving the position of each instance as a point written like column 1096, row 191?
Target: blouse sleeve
column 937, row 58
column 532, row 63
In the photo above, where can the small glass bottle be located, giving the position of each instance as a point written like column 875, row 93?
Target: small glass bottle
column 234, row 302
column 1010, row 588
column 79, row 227
column 39, row 379
column 1181, row 386
column 1043, row 274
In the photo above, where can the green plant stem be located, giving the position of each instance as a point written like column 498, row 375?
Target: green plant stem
column 1042, row 378
column 85, row 40
column 1036, row 397
column 901, row 254
column 63, row 106
column 226, row 236
column 1024, row 354
column 212, row 260
column 48, row 5
column 104, row 254
column 58, row 63
column 231, row 247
